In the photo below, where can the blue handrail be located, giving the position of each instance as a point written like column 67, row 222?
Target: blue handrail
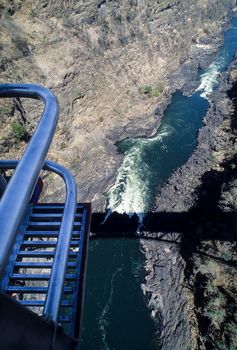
column 16, row 197
column 56, row 283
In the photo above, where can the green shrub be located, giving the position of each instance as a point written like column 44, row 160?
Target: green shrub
column 18, row 130
column 63, row 145
column 146, row 90
column 152, row 91
column 227, row 255
column 215, row 309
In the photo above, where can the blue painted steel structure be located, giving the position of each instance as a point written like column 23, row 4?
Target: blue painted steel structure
column 15, row 199
column 55, row 236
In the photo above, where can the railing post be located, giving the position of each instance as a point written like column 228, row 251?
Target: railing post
column 56, row 283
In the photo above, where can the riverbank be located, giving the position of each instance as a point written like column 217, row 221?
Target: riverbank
column 192, row 281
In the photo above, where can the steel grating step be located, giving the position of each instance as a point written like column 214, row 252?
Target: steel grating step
column 50, row 225
column 65, row 318
column 48, row 234
column 35, row 289
column 40, row 265
column 46, row 217
column 65, row 303
column 46, row 244
column 51, row 215
column 38, row 277
column 54, row 208
column 42, row 254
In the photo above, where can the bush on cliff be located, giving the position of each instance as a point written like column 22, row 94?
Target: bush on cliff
column 18, row 130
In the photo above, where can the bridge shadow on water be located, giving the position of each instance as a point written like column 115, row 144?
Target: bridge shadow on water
column 204, row 221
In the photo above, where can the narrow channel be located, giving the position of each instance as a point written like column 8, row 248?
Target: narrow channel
column 116, row 316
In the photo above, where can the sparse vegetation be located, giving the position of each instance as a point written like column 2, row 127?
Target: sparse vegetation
column 215, row 309
column 18, row 130
column 227, row 255
column 63, row 145
column 213, row 158
column 152, row 91
column 5, row 110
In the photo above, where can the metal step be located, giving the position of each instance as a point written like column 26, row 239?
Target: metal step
column 47, row 234
column 53, row 208
column 65, row 303
column 41, row 254
column 65, row 318
column 55, row 205
column 40, row 265
column 35, row 290
column 50, row 225
column 45, row 244
column 38, row 277
column 51, row 216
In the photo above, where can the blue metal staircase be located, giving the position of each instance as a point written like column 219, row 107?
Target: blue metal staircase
column 43, row 247
column 28, row 274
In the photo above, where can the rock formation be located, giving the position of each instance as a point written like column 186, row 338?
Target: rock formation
column 192, row 281
column 97, row 57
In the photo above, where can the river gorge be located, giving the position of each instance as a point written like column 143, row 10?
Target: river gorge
column 147, row 95
column 147, row 164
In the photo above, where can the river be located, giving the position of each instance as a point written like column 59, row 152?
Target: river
column 116, row 313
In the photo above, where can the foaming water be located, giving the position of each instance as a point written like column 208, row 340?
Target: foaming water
column 130, row 193
column 210, row 77
column 148, row 161
column 145, row 159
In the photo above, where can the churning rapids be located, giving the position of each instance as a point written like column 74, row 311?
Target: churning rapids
column 116, row 315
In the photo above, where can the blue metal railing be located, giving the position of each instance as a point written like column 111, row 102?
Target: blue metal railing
column 17, row 195
column 18, row 192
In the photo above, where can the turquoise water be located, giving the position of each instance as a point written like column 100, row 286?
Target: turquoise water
column 116, row 316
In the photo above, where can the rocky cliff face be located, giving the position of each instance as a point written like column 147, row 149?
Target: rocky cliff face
column 99, row 57
column 203, row 257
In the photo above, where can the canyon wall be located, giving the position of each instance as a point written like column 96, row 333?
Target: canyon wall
column 109, row 63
